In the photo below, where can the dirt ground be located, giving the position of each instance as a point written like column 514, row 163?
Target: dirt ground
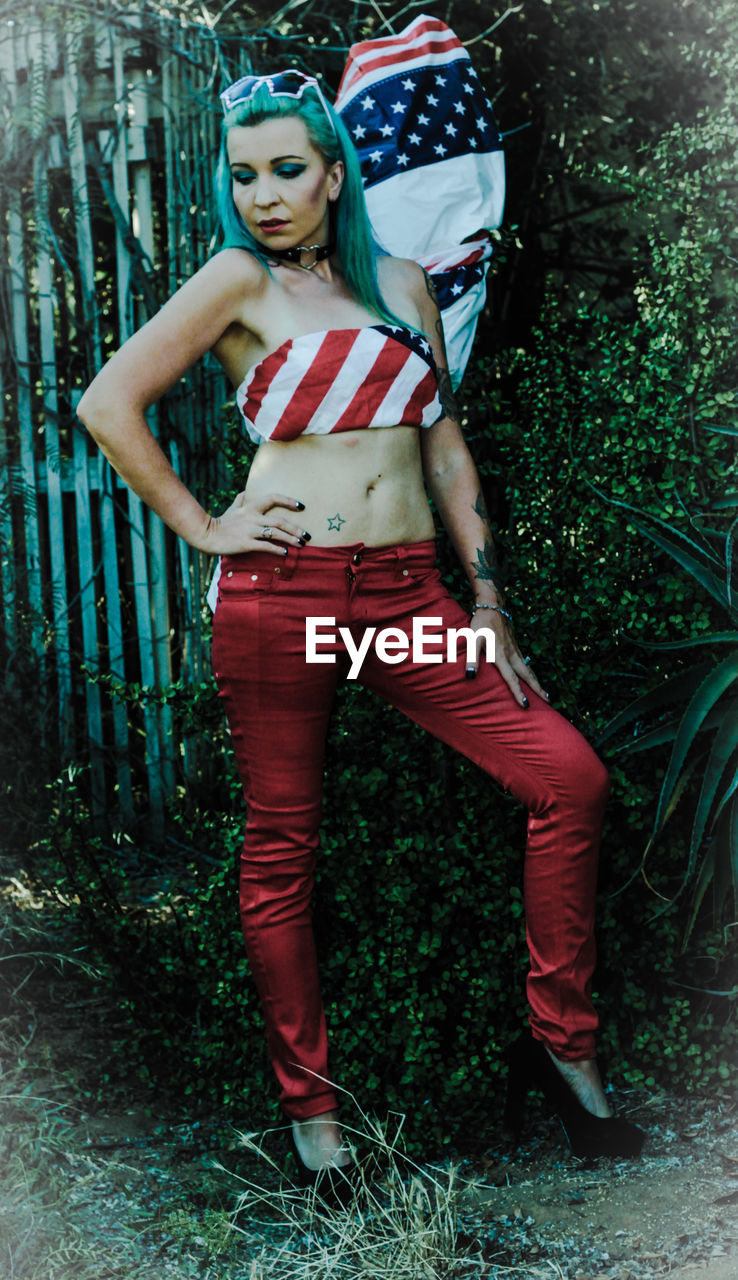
column 118, row 1191
column 673, row 1212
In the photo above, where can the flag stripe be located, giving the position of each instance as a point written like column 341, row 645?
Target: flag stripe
column 342, row 389
column 399, row 57
column 459, row 257
column 372, row 391
column 421, row 37
column 340, row 380
column 310, row 390
column 395, row 402
column 251, row 393
column 410, row 66
column 433, row 29
column 282, row 379
column 420, row 396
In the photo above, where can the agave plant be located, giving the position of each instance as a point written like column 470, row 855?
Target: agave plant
column 697, row 711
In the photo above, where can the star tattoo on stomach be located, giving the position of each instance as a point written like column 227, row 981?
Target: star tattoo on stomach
column 335, row 522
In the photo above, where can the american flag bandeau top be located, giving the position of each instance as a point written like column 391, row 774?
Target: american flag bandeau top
column 341, row 380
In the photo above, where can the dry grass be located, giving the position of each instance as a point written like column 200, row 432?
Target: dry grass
column 70, row 1209
column 400, row 1224
column 111, row 1192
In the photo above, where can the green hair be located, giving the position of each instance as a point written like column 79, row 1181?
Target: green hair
column 356, row 245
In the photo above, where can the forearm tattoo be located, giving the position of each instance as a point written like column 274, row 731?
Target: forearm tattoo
column 485, row 565
column 480, row 507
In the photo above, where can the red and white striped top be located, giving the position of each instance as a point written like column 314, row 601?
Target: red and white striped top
column 340, row 380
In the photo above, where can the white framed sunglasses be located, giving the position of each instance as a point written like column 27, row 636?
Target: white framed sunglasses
column 282, row 84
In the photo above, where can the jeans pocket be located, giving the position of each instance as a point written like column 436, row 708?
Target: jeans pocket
column 243, row 582
column 421, row 575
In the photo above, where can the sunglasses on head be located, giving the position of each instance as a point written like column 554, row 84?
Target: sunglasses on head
column 283, row 84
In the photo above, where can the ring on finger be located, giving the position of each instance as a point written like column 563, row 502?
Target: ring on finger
column 267, row 532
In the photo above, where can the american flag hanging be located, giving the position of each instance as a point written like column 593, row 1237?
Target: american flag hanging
column 432, row 162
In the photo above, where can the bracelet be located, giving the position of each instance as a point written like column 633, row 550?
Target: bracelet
column 497, row 607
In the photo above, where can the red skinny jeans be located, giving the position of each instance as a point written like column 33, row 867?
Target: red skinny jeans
column 278, row 706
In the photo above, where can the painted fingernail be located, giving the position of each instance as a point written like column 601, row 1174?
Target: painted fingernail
column 471, row 672
column 547, row 695
column 300, row 505
column 305, row 535
column 526, row 703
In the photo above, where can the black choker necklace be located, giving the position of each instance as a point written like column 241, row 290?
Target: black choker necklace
column 321, row 251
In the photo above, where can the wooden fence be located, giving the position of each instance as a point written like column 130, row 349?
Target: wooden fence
column 109, row 140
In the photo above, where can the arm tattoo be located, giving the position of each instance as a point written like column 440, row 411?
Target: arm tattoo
column 446, row 395
column 430, row 287
column 445, row 389
column 485, row 565
column 434, row 299
column 481, row 508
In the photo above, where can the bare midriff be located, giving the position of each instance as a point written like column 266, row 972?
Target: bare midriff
column 357, row 486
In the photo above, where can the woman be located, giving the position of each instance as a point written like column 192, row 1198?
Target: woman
column 324, row 337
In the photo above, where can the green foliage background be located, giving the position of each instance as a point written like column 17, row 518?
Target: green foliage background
column 605, row 365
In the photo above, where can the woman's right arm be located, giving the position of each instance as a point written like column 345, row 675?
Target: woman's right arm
column 148, row 364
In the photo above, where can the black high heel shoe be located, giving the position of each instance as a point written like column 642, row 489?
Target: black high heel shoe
column 588, row 1135
column 334, row 1184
